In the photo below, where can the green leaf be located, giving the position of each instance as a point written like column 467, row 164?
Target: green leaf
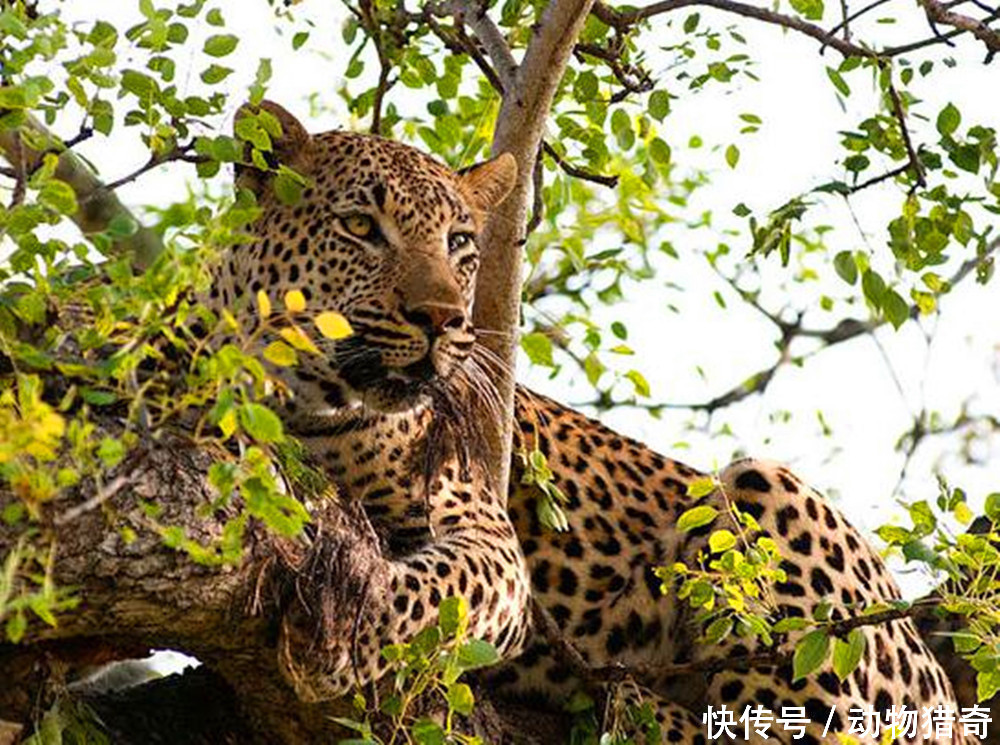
column 873, row 287
column 846, row 267
column 948, row 120
column 426, row 732
column 847, row 654
column 215, row 18
column 893, row 534
column 696, row 517
column 288, row 188
column 452, row 616
column 810, row 653
column 215, row 74
column 639, row 382
column 659, row 150
column 659, row 104
column 477, row 653
column 691, row 23
column 261, row 423
column 721, row 540
column 585, row 87
column 732, row 156
column 896, row 309
column 987, row 684
column 460, row 699
column 538, row 347
column 299, row 39
column 701, row 487
column 992, row 508
column 17, row 625
column 220, row 45
column 718, row 630
column 838, row 82
column 811, row 9
column 111, row 451
column 58, row 196
column 790, row 624
column 141, row 85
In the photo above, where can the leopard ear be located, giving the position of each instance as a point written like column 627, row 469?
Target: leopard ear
column 287, row 147
column 487, row 184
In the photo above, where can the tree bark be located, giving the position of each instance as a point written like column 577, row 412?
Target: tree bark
column 140, row 594
column 529, row 89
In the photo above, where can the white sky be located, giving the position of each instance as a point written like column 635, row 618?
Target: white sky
column 795, row 149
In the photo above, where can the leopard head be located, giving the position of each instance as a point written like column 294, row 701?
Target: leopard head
column 382, row 234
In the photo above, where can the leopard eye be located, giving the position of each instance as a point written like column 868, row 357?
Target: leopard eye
column 360, row 226
column 459, row 240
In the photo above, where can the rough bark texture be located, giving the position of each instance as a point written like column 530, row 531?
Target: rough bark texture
column 529, row 89
column 143, row 595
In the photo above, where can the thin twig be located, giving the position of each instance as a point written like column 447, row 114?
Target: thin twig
column 880, row 178
column 937, row 38
column 853, row 17
column 627, row 18
column 577, row 172
column 181, row 153
column 897, row 110
column 99, row 498
column 845, row 330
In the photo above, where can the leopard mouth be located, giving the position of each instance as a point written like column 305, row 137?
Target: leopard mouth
column 364, row 371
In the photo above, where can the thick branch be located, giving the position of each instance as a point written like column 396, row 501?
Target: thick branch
column 473, row 13
column 98, row 206
column 938, row 12
column 520, row 127
column 139, row 594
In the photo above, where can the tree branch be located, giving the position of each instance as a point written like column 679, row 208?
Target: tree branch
column 653, row 675
column 758, row 382
column 98, row 205
column 473, row 14
column 938, row 12
column 938, row 39
column 529, row 90
column 576, row 172
column 621, row 19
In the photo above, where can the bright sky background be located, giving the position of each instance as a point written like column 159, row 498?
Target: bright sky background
column 795, row 149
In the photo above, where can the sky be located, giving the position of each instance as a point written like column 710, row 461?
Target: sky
column 867, row 403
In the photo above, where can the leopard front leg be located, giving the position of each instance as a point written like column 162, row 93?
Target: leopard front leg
column 371, row 602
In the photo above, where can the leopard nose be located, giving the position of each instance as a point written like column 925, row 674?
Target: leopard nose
column 436, row 317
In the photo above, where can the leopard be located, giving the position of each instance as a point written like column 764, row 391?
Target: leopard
column 386, row 236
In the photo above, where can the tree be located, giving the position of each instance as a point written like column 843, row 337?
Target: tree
column 574, row 90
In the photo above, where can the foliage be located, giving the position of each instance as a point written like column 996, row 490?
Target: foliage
column 425, row 673
column 620, row 206
column 731, row 587
column 81, row 333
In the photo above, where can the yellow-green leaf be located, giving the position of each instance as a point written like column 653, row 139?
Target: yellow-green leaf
column 333, row 325
column 263, row 304
column 721, row 540
column 280, row 354
column 298, row 339
column 847, row 655
column 696, row 518
column 701, row 487
column 810, row 653
column 295, row 301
